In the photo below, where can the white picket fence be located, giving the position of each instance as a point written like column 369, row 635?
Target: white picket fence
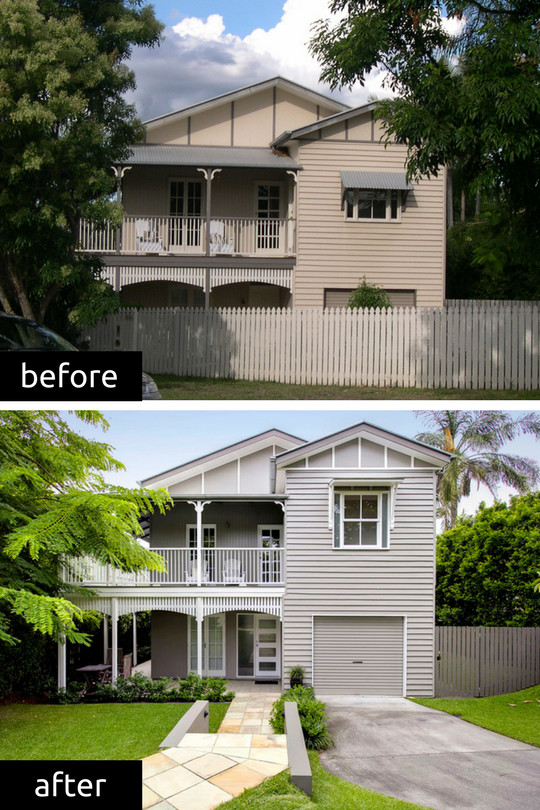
column 465, row 344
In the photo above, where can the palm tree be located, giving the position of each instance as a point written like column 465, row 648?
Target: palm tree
column 475, row 439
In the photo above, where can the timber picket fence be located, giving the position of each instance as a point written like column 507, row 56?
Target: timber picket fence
column 484, row 661
column 465, row 344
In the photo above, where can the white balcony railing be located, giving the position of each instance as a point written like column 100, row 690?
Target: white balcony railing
column 219, row 566
column 231, row 236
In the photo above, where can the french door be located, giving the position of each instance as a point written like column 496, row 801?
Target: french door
column 268, row 217
column 258, row 645
column 269, row 556
column 213, row 629
column 185, row 209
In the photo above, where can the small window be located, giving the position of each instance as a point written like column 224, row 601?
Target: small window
column 365, row 203
column 361, row 518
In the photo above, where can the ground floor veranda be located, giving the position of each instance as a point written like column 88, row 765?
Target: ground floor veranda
column 218, row 635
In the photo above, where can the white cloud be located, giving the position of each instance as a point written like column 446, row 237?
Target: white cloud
column 199, row 60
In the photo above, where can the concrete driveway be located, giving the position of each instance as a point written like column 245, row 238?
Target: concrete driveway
column 430, row 758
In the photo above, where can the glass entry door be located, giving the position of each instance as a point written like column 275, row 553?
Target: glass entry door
column 258, row 645
column 213, row 638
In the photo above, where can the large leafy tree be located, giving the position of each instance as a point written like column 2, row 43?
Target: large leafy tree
column 468, row 99
column 63, row 123
column 486, row 563
column 55, row 508
column 476, row 439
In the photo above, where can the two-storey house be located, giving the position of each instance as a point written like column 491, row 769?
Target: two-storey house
column 283, row 552
column 270, row 196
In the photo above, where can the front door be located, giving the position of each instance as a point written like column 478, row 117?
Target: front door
column 258, row 644
column 213, row 647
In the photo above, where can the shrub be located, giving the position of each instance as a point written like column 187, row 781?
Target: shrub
column 312, row 717
column 369, row 295
column 140, row 689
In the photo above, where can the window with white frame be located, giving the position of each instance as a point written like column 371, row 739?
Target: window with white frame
column 361, row 517
column 366, row 203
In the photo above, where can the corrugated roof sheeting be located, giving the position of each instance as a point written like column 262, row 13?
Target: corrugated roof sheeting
column 209, row 156
column 394, row 181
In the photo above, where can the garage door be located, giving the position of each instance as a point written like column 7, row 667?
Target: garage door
column 358, row 655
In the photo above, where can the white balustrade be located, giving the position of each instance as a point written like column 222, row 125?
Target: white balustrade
column 219, row 566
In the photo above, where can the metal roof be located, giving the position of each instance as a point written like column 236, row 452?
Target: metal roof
column 209, row 156
column 395, row 181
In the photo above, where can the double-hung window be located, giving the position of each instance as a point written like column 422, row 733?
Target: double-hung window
column 361, row 517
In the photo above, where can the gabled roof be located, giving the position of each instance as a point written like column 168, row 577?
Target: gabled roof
column 277, row 81
column 369, row 431
column 317, row 126
column 222, row 456
column 210, row 156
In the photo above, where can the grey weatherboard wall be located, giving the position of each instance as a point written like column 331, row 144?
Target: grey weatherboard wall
column 321, row 580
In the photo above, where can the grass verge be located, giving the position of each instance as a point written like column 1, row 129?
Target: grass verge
column 516, row 714
column 100, row 731
column 172, row 387
column 329, row 793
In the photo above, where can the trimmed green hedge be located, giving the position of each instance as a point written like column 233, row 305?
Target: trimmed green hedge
column 312, row 717
column 140, row 689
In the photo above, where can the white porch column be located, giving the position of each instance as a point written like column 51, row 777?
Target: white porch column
column 134, row 658
column 62, row 663
column 199, row 617
column 209, row 175
column 199, row 507
column 114, row 641
column 105, row 637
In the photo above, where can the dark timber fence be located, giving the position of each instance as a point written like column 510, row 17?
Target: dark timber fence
column 483, row 661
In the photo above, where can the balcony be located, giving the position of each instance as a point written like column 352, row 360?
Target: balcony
column 218, row 567
column 192, row 236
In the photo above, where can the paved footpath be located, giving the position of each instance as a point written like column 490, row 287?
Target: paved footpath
column 205, row 770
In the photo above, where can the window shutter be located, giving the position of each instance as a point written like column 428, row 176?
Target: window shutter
column 384, row 521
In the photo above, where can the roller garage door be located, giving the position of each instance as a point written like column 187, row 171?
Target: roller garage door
column 358, row 655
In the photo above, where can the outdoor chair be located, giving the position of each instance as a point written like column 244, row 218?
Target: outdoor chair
column 218, row 242
column 191, row 574
column 232, row 572
column 147, row 239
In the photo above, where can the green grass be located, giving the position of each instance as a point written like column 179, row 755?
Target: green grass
column 172, row 387
column 99, row 731
column 329, row 793
column 515, row 715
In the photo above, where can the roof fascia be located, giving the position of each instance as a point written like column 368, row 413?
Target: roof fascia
column 294, row 134
column 242, row 92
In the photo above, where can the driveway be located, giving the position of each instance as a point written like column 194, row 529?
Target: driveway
column 430, row 758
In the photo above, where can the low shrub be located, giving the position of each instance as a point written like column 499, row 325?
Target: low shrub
column 312, row 717
column 140, row 689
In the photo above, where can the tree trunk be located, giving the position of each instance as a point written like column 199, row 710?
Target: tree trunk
column 449, row 198
column 463, row 206
column 22, row 298
column 4, row 300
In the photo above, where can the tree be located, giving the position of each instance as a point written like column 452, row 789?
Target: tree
column 63, row 123
column 470, row 100
column 476, row 439
column 55, row 507
column 485, row 565
column 369, row 295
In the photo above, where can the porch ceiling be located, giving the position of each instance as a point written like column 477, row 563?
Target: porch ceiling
column 210, row 157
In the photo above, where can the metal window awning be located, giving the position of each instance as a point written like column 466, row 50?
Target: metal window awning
column 387, row 181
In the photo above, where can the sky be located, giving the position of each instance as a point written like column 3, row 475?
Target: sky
column 215, row 46
column 148, row 442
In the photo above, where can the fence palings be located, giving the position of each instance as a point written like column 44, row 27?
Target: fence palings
column 483, row 661
column 465, row 344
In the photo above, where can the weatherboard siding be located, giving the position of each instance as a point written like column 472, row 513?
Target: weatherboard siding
column 398, row 581
column 335, row 253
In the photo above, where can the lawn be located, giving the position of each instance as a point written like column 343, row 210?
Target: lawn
column 329, row 793
column 209, row 388
column 84, row 731
column 515, row 715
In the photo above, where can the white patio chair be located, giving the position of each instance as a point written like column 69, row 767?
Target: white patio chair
column 218, row 242
column 232, row 572
column 147, row 239
column 191, row 574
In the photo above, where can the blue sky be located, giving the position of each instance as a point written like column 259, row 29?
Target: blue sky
column 152, row 441
column 240, row 16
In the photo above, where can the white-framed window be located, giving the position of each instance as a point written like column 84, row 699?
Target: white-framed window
column 361, row 517
column 372, row 204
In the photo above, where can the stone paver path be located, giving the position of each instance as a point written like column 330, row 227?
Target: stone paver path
column 205, row 770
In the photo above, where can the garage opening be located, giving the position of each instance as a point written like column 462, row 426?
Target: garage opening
column 358, row 655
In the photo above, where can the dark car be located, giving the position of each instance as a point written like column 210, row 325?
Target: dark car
column 18, row 334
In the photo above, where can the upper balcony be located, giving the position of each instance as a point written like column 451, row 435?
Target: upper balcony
column 217, row 567
column 192, row 236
